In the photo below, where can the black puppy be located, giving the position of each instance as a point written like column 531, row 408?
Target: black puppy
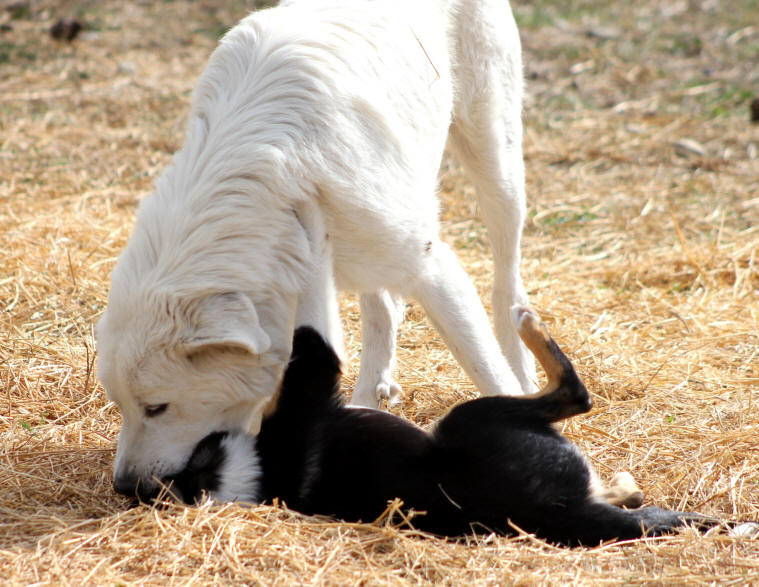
column 489, row 461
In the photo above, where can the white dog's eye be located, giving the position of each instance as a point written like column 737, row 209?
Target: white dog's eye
column 155, row 410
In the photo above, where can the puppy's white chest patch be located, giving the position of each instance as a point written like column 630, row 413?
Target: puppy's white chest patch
column 240, row 474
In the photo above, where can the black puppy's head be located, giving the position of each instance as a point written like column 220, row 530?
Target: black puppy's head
column 223, row 466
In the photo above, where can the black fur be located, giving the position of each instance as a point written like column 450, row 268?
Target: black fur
column 201, row 473
column 489, row 461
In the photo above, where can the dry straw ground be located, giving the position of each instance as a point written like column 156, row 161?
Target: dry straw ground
column 641, row 252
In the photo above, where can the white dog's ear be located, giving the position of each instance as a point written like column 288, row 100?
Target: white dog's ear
column 227, row 320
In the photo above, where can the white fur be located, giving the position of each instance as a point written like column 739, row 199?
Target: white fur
column 745, row 530
column 311, row 159
column 381, row 313
column 240, row 474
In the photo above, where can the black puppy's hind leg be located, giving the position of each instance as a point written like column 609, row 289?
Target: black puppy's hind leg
column 564, row 395
column 597, row 522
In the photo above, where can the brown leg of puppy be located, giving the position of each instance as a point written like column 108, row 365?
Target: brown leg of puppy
column 535, row 336
column 564, row 394
column 622, row 491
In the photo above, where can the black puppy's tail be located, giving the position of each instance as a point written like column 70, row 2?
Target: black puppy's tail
column 312, row 378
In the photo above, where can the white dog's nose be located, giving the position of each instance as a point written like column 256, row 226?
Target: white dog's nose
column 131, row 485
column 125, row 484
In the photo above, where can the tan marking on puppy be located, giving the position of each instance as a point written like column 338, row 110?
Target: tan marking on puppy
column 623, row 491
column 535, row 336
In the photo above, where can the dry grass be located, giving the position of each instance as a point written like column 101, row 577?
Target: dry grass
column 643, row 257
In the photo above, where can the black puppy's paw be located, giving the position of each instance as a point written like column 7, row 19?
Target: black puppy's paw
column 657, row 521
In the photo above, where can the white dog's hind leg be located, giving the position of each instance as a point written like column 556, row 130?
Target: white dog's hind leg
column 381, row 314
column 486, row 137
column 455, row 309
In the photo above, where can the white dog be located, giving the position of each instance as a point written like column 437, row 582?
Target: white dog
column 311, row 159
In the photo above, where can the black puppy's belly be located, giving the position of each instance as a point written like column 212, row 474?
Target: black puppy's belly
column 367, row 459
column 468, row 475
column 528, row 476
column 351, row 464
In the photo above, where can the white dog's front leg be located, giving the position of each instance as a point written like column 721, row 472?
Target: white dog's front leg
column 380, row 315
column 486, row 137
column 455, row 309
column 317, row 303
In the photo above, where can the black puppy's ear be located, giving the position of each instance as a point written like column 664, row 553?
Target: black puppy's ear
column 313, row 374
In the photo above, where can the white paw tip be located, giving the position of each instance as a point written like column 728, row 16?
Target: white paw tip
column 745, row 530
column 622, row 478
column 390, row 392
column 521, row 314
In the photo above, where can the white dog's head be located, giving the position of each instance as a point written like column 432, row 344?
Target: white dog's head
column 180, row 369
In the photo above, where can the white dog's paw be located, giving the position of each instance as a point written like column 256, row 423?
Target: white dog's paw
column 389, row 391
column 371, row 396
